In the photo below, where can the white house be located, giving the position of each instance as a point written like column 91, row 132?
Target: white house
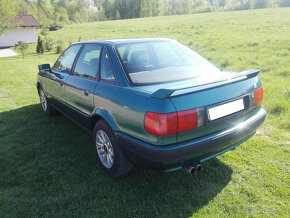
column 25, row 31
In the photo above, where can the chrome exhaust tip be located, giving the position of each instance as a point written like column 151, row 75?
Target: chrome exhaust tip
column 193, row 169
column 198, row 167
column 190, row 170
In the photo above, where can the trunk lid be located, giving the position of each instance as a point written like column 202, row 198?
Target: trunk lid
column 210, row 93
column 212, row 98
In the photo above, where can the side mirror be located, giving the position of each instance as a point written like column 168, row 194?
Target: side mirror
column 44, row 68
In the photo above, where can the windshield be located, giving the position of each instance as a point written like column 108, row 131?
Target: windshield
column 157, row 62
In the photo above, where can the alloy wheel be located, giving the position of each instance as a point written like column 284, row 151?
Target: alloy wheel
column 105, row 149
column 43, row 100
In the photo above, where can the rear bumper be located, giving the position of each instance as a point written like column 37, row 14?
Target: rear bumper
column 177, row 156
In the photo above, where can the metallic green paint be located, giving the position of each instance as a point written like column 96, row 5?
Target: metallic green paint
column 200, row 85
column 107, row 117
column 124, row 106
column 184, row 154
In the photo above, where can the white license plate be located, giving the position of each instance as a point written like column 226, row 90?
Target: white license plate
column 226, row 109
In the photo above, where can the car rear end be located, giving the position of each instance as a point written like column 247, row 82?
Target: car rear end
column 213, row 113
column 209, row 121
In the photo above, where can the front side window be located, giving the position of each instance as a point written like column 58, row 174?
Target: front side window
column 66, row 60
column 107, row 73
column 162, row 61
column 88, row 62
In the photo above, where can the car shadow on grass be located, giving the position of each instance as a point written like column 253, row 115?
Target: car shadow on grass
column 48, row 167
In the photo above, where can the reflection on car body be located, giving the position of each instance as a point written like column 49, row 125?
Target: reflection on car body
column 152, row 102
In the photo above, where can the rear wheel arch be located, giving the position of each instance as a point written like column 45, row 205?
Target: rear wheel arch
column 102, row 114
column 94, row 119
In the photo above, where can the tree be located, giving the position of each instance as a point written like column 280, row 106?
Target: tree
column 109, row 9
column 261, row 3
column 22, row 47
column 284, row 3
column 156, row 7
column 40, row 48
column 7, row 13
column 146, row 8
column 48, row 12
column 122, row 7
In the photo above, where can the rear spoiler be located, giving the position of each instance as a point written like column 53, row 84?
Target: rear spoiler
column 166, row 93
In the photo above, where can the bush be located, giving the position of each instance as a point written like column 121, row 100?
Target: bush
column 22, row 47
column 44, row 31
column 59, row 47
column 40, row 48
column 49, row 44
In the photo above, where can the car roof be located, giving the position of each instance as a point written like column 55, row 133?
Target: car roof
column 124, row 41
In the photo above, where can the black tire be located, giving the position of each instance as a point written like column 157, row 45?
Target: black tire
column 120, row 164
column 46, row 106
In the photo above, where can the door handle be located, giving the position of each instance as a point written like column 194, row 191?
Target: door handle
column 86, row 92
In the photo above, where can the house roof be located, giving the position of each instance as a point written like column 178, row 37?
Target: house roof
column 25, row 21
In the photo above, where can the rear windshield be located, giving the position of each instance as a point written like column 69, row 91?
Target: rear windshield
column 157, row 62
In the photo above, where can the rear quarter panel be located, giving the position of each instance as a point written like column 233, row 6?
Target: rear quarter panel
column 127, row 107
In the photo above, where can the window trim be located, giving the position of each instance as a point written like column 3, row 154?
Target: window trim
column 97, row 78
column 72, row 67
column 127, row 77
column 116, row 82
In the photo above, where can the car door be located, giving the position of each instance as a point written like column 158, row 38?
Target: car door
column 107, row 89
column 54, row 82
column 80, row 85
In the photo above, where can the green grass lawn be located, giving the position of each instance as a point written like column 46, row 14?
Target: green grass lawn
column 48, row 166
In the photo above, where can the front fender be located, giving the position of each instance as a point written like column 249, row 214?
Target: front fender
column 108, row 118
column 39, row 84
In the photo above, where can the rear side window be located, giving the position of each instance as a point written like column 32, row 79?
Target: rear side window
column 88, row 62
column 66, row 60
column 107, row 73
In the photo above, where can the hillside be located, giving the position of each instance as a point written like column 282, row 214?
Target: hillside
column 48, row 166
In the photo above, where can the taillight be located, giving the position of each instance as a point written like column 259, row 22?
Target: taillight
column 160, row 124
column 190, row 119
column 258, row 95
column 172, row 123
column 187, row 120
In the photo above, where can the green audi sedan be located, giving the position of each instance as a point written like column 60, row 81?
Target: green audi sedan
column 151, row 102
